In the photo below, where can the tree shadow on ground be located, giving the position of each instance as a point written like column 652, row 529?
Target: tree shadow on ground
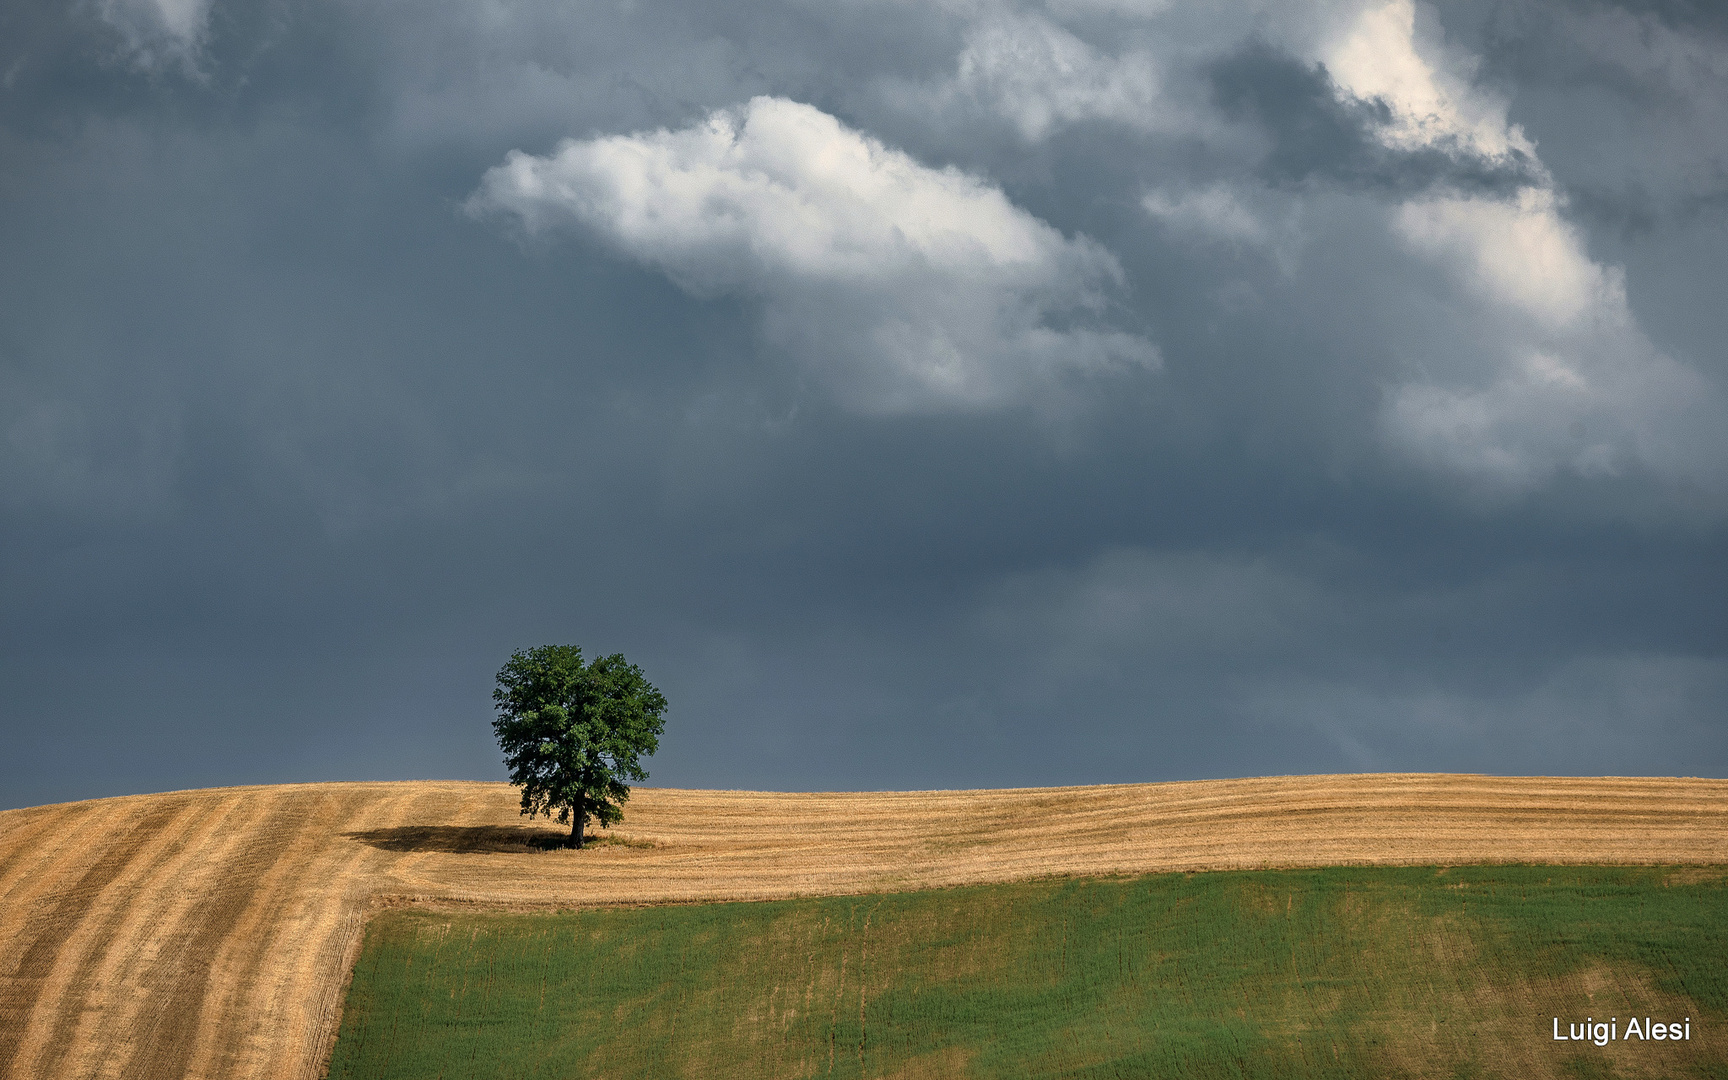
column 462, row 839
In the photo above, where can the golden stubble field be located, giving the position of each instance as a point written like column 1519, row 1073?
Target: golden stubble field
column 209, row 933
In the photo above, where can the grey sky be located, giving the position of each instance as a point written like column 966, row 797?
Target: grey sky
column 925, row 394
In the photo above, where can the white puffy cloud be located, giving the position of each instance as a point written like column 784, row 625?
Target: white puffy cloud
column 1576, row 384
column 1025, row 71
column 905, row 288
column 1517, row 253
column 1378, row 57
column 1037, row 75
column 1596, row 412
column 159, row 33
column 1573, row 382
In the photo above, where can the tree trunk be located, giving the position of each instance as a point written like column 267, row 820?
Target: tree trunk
column 578, row 818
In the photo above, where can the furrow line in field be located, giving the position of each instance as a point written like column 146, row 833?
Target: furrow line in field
column 242, row 924
column 48, row 971
column 144, row 956
column 223, row 893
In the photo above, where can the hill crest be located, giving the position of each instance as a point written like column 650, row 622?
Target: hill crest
column 209, row 933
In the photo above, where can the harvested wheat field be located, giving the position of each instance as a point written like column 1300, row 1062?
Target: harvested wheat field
column 209, row 933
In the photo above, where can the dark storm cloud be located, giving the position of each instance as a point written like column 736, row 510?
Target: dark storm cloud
column 1624, row 97
column 1691, row 16
column 1633, row 211
column 1634, row 126
column 293, row 452
column 1317, row 132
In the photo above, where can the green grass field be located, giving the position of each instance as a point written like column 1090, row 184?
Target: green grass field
column 1345, row 972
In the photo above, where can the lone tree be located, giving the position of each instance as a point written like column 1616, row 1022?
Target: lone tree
column 572, row 733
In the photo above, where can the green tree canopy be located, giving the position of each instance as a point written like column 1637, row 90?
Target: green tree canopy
column 574, row 733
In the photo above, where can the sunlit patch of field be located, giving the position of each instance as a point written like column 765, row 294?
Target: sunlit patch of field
column 208, row 933
column 1340, row 972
